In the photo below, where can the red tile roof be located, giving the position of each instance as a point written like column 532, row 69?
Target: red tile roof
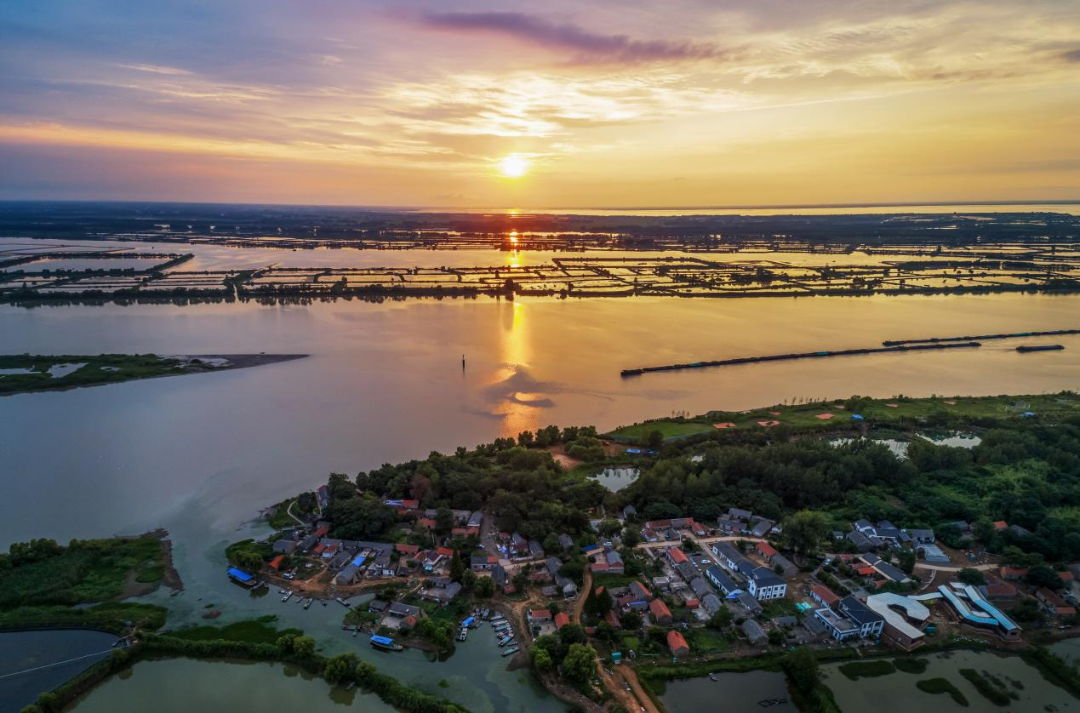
column 659, row 609
column 322, row 531
column 445, row 551
column 539, row 614
column 407, row 549
column 612, row 618
column 766, row 549
column 676, row 642
column 561, row 620
column 276, row 562
column 677, row 556
column 825, row 594
column 1000, row 525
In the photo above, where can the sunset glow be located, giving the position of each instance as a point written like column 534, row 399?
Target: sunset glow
column 652, row 105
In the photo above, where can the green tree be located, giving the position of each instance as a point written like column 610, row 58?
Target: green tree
column 340, row 667
column 457, row 567
column 304, row 647
column 580, row 663
column 802, row 669
column 631, row 620
column 906, row 559
column 485, row 587
column 804, row 530
column 542, row 659
column 49, row 702
column 972, row 576
column 721, row 619
column 631, row 537
column 444, row 520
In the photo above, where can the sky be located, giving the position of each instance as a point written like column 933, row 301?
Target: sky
column 611, row 103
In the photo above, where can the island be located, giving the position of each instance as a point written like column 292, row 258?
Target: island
column 817, row 544
column 21, row 373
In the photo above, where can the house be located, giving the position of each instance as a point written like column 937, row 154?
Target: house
column 442, row 594
column 639, row 592
column 863, row 526
column 676, row 556
column 1013, row 573
column 959, row 525
column 1000, row 525
column 285, row 547
column 905, row 618
column 890, row 572
column 687, row 571
column 377, row 606
column 700, row 587
column 837, row 625
column 862, row 542
column 824, row 595
column 933, row 554
column 711, row 604
column 612, row 618
column 660, row 613
column 718, row 577
column 322, row 496
column 976, row 612
column 501, row 577
column 408, row 551
column 398, row 610
column 787, row 567
column 751, row 605
column 614, row 562
column 535, row 550
column 760, row 527
column 1054, row 604
column 538, row 616
column 764, row 584
column 566, row 542
column 482, row 563
column 737, row 514
column 561, row 620
column 765, row 551
column 1019, row 531
column 677, row 644
column 868, row 621
column 307, row 543
column 922, row 537
column 729, row 555
column 275, row 564
column 519, row 546
column 753, row 632
column 729, row 526
column 474, row 522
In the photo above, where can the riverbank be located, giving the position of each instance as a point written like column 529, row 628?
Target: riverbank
column 25, row 373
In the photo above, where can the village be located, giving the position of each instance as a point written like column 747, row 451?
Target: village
column 672, row 589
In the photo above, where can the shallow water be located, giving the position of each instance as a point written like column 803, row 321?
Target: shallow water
column 734, row 692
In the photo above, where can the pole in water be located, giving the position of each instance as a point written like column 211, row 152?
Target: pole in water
column 463, row 362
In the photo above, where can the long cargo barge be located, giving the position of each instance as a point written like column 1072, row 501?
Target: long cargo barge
column 804, row 355
column 981, row 337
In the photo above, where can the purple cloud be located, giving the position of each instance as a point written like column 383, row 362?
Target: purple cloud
column 586, row 45
column 1071, row 56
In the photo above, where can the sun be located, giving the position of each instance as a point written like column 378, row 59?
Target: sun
column 514, row 166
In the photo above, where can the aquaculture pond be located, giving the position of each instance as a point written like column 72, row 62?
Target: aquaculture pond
column 36, row 661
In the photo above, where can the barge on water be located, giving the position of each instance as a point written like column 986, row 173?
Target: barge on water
column 385, row 643
column 982, row 337
column 801, row 355
column 1025, row 348
column 239, row 576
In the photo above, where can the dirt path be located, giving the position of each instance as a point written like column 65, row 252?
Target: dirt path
column 292, row 515
column 579, row 603
column 630, row 676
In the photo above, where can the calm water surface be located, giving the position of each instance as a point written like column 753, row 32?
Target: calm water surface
column 186, row 685
column 201, row 454
column 731, row 692
column 24, row 651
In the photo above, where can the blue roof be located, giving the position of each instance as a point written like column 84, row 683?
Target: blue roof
column 633, row 450
column 359, row 560
column 381, row 640
column 857, row 417
column 240, row 574
column 990, row 609
column 469, row 621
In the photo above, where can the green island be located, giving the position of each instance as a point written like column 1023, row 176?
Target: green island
column 771, row 539
column 21, row 373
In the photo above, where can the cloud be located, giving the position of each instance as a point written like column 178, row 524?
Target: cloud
column 157, row 69
column 588, row 46
column 1071, row 55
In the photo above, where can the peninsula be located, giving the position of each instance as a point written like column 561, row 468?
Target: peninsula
column 21, row 373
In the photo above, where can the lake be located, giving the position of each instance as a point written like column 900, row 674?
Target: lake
column 896, row 692
column 28, row 650
column 221, row 686
column 738, row 692
column 201, row 454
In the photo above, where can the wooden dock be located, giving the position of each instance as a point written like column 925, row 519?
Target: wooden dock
column 804, row 355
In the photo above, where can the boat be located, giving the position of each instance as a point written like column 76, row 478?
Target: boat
column 287, row 597
column 463, row 634
column 323, row 602
column 506, row 641
column 308, row 603
column 712, row 677
column 342, row 602
column 356, row 632
column 497, row 618
column 385, row 643
column 1025, row 348
column 511, row 651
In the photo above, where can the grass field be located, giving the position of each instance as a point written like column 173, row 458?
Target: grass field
column 901, row 412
